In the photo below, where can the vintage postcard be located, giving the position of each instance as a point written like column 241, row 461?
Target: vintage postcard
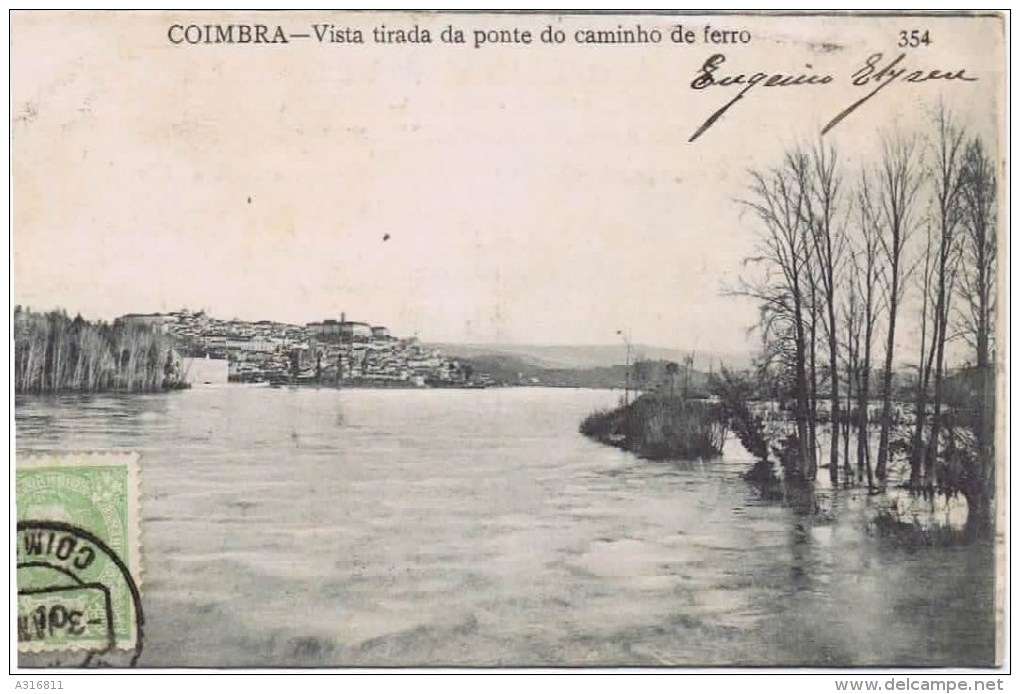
column 509, row 339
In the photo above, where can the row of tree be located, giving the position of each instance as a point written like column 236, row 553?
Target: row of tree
column 844, row 252
column 54, row 353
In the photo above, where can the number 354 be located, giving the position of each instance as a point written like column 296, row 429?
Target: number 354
column 914, row 38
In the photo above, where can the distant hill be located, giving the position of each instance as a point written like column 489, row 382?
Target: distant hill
column 578, row 366
column 591, row 356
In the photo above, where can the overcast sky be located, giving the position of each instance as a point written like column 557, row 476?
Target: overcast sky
column 530, row 194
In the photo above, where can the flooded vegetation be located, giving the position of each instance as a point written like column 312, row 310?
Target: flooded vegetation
column 850, row 257
column 56, row 354
column 658, row 426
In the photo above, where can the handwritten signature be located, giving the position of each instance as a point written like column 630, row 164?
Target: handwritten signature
column 873, row 73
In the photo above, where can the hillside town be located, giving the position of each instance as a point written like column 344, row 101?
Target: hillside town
column 331, row 351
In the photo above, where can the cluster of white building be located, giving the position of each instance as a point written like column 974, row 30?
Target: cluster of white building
column 323, row 351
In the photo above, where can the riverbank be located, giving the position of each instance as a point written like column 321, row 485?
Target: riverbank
column 365, row 383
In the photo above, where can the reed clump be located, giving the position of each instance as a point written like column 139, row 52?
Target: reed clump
column 54, row 353
column 659, row 426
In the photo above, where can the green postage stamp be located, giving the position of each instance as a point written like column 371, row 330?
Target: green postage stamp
column 78, row 561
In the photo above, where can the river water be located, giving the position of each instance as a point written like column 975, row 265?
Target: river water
column 308, row 527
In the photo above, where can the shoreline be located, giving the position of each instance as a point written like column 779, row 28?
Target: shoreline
column 317, row 386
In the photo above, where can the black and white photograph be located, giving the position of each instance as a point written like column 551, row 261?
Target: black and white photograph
column 510, row 340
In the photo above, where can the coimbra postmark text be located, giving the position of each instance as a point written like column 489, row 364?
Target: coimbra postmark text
column 78, row 563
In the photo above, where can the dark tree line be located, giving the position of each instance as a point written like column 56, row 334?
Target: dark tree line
column 54, row 353
column 850, row 257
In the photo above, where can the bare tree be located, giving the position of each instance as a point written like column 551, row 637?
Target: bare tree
column 925, row 357
column 828, row 238
column 852, row 320
column 868, row 274
column 946, row 173
column 977, row 286
column 778, row 197
column 812, row 280
column 897, row 182
column 977, row 291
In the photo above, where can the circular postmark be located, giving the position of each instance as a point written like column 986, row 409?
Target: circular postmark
column 78, row 605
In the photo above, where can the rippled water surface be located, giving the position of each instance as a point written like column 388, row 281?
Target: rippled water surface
column 444, row 527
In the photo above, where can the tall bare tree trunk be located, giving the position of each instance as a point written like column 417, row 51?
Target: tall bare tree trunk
column 780, row 198
column 925, row 357
column 887, row 373
column 897, row 182
column 946, row 173
column 977, row 290
column 812, row 467
column 828, row 241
